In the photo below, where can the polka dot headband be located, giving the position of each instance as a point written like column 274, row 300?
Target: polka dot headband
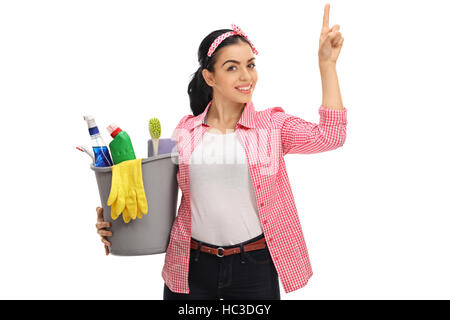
column 219, row 39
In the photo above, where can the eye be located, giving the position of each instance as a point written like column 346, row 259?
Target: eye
column 251, row 64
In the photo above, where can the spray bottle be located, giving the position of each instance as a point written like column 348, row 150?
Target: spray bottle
column 101, row 152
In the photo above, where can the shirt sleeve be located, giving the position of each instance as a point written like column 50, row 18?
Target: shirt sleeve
column 300, row 136
column 178, row 131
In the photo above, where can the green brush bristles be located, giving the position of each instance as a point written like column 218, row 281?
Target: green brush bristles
column 154, row 126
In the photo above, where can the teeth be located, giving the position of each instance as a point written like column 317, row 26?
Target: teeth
column 245, row 89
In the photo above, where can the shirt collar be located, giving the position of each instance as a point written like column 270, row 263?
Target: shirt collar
column 247, row 117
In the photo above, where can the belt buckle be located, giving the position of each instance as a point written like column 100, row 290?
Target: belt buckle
column 218, row 252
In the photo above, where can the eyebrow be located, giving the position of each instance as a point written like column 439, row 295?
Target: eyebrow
column 235, row 61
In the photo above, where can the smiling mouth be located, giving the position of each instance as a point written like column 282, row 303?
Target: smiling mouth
column 245, row 89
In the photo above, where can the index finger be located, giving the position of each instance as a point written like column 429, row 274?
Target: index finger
column 326, row 16
column 103, row 224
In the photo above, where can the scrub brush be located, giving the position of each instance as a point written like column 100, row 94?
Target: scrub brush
column 154, row 127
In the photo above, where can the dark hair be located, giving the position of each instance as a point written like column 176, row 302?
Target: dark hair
column 200, row 93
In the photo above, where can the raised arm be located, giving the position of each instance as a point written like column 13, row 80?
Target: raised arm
column 330, row 45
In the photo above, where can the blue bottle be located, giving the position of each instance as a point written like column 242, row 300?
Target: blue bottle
column 101, row 152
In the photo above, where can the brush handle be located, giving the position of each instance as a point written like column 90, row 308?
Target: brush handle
column 89, row 153
column 155, row 146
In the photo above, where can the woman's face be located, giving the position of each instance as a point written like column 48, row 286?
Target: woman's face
column 235, row 67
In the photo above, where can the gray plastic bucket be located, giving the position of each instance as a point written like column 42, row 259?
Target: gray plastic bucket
column 151, row 234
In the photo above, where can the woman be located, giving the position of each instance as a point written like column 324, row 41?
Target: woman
column 237, row 228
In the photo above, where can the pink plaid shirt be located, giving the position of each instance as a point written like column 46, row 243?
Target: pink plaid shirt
column 267, row 136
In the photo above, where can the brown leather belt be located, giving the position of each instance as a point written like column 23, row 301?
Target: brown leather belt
column 221, row 252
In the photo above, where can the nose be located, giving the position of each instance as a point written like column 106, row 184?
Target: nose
column 244, row 75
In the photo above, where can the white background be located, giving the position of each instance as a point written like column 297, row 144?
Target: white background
column 374, row 212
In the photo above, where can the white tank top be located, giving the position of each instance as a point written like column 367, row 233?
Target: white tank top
column 223, row 201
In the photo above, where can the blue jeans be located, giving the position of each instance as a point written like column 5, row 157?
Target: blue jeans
column 241, row 276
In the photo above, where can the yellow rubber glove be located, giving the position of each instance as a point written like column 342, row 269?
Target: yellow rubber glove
column 127, row 194
column 116, row 195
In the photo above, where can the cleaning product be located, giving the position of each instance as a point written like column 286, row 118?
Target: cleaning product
column 121, row 146
column 154, row 127
column 101, row 152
